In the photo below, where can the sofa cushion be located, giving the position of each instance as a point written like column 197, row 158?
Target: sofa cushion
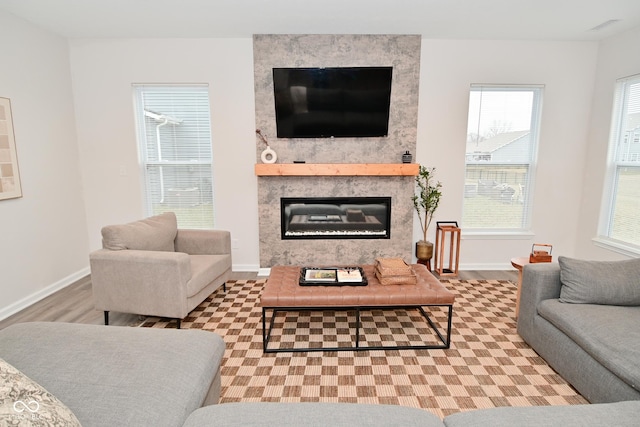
column 620, row 414
column 608, row 333
column 156, row 233
column 22, row 399
column 600, row 282
column 317, row 414
column 205, row 269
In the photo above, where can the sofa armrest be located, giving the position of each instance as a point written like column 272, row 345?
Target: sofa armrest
column 203, row 242
column 540, row 281
column 124, row 280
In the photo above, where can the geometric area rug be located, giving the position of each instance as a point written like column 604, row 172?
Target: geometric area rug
column 488, row 364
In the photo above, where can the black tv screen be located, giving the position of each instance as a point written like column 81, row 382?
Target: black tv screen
column 332, row 102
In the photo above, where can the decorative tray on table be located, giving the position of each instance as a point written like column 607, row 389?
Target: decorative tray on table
column 332, row 276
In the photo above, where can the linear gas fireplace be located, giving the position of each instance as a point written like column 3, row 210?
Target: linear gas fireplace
column 335, row 217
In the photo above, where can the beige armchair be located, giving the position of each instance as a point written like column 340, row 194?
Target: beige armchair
column 150, row 267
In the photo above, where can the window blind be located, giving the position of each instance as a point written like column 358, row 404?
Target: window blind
column 175, row 151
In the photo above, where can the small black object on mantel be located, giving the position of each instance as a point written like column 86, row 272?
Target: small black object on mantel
column 299, row 161
column 407, row 157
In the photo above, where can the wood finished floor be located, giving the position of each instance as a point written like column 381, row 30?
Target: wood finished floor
column 74, row 304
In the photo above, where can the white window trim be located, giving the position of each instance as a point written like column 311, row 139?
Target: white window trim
column 143, row 157
column 526, row 232
column 606, row 206
column 616, row 246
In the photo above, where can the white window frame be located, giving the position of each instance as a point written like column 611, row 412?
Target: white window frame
column 525, row 231
column 191, row 158
column 605, row 226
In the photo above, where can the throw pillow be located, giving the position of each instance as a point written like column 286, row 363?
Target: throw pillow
column 156, row 233
column 600, row 282
column 23, row 402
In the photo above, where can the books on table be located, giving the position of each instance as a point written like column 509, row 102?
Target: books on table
column 349, row 275
column 321, row 275
column 339, row 275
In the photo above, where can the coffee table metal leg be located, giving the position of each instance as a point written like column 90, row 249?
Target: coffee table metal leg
column 266, row 334
column 357, row 327
column 264, row 329
column 449, row 324
column 434, row 327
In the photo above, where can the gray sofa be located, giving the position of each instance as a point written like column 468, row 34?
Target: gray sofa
column 150, row 267
column 110, row 375
column 124, row 376
column 583, row 318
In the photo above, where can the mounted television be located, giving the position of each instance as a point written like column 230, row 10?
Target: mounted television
column 332, row 102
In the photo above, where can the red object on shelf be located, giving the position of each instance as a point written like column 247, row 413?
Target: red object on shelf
column 540, row 255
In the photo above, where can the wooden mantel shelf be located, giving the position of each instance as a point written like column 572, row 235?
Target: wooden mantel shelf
column 337, row 169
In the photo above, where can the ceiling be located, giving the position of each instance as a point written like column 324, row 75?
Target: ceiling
column 438, row 19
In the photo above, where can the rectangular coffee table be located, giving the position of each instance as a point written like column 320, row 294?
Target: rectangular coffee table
column 283, row 293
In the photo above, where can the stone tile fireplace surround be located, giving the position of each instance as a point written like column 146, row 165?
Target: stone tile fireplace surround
column 400, row 51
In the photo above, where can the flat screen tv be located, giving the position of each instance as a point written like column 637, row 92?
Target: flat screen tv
column 332, row 102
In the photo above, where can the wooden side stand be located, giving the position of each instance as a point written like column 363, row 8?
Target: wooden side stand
column 519, row 264
column 444, row 229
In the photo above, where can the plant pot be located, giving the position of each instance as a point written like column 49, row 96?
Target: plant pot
column 424, row 250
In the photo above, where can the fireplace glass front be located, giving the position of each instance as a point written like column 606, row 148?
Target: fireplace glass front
column 335, row 217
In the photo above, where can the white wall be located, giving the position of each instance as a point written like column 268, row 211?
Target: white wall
column 618, row 57
column 567, row 70
column 103, row 74
column 43, row 243
column 106, row 129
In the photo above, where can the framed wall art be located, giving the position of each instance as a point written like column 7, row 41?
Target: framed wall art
column 9, row 177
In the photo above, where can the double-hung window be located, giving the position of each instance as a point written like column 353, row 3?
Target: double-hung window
column 500, row 156
column 175, row 152
column 619, row 224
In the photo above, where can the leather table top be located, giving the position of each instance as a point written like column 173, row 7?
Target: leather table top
column 282, row 289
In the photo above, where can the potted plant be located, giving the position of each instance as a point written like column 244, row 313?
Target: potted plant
column 426, row 201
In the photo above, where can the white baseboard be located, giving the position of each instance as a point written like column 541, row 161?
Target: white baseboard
column 264, row 272
column 245, row 267
column 43, row 293
column 497, row 267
